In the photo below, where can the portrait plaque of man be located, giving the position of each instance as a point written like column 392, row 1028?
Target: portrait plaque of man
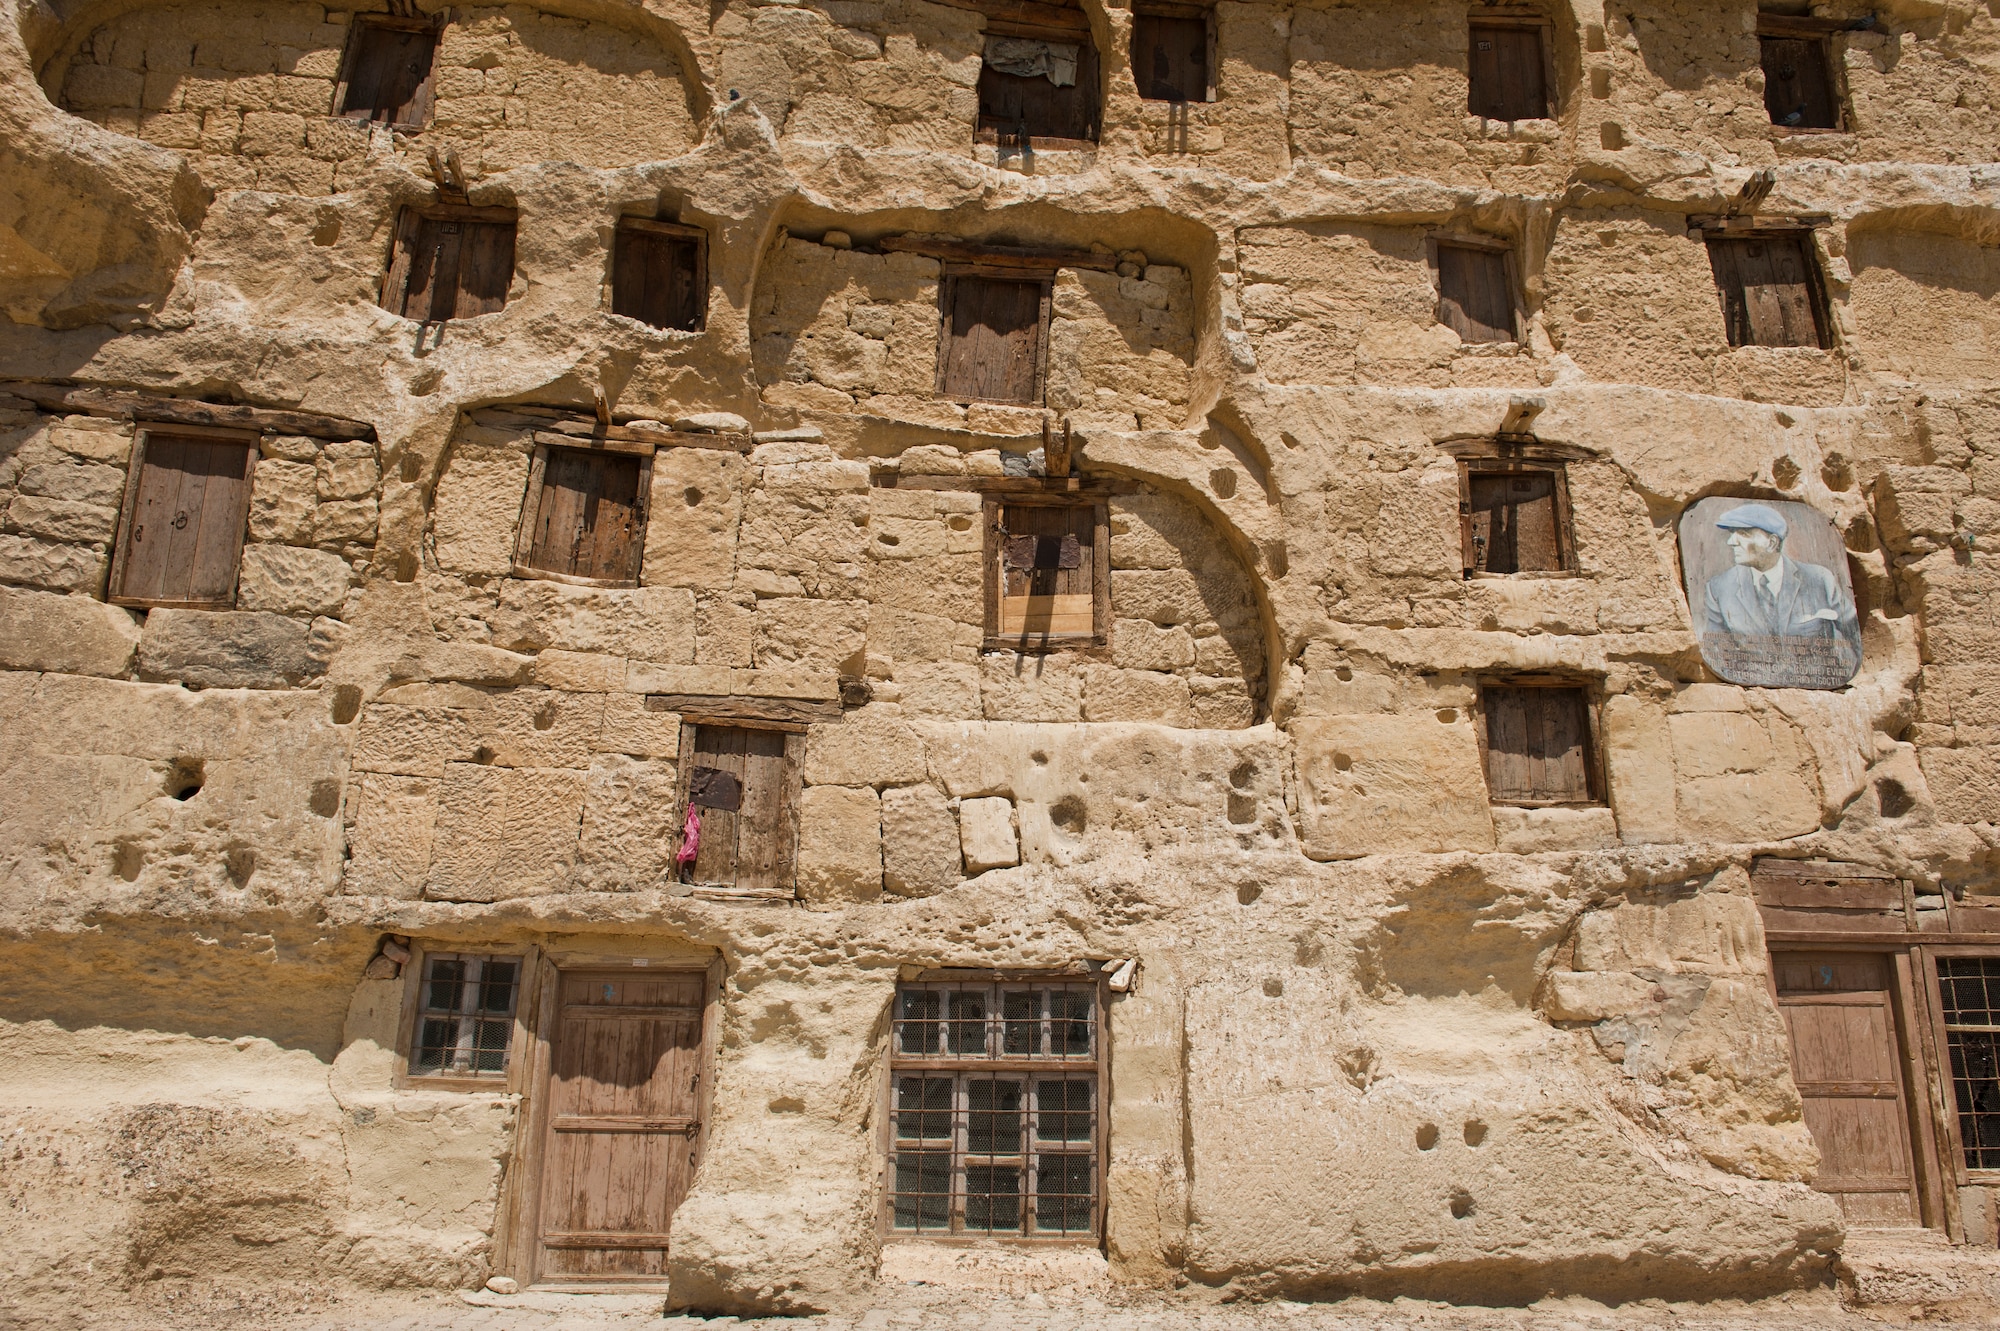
column 1772, row 601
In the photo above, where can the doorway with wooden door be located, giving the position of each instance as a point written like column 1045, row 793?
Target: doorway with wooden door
column 618, row 1127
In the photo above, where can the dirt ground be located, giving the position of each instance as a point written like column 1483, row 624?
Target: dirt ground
column 172, row 1306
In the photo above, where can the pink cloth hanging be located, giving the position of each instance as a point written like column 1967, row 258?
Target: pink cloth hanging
column 690, row 839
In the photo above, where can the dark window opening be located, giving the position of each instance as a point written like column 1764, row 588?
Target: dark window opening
column 1798, row 83
column 1170, row 57
column 1507, row 77
column 994, row 338
column 1517, row 518
column 450, row 263
column 659, row 274
column 996, row 1124
column 585, row 515
column 1475, row 292
column 1538, row 745
column 1970, row 988
column 1771, row 295
column 1039, row 87
column 187, row 503
column 386, row 73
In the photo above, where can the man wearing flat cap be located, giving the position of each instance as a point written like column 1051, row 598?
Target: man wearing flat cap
column 1772, row 620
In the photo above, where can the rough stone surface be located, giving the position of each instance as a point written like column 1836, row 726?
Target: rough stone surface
column 226, row 649
column 840, row 845
column 290, row 580
column 986, row 834
column 74, row 634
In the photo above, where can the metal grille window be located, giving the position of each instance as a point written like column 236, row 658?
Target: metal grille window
column 466, row 1023
column 1970, row 987
column 995, row 1123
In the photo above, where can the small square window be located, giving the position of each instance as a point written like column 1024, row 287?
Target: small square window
column 450, row 263
column 465, row 1016
column 1048, row 574
column 1039, row 87
column 742, row 784
column 584, row 517
column 993, row 338
column 1506, row 72
column 1475, row 291
column 187, row 503
column 1799, row 89
column 1516, row 517
column 659, row 274
column 995, row 1122
column 1770, row 288
column 386, row 73
column 1539, row 749
column 1170, row 55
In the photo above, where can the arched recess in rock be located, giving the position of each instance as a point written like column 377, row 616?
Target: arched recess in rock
column 246, row 88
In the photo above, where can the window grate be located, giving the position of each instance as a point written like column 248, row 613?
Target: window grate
column 1970, row 987
column 995, row 1119
column 466, row 1025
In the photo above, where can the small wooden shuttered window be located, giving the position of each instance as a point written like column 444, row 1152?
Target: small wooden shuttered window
column 997, row 1123
column 1770, row 290
column 1508, row 79
column 1475, row 291
column 1029, row 110
column 993, row 337
column 584, row 518
column 1171, row 55
column 1048, row 574
column 1516, row 517
column 450, row 262
column 1798, row 83
column 743, row 783
column 1538, row 744
column 187, row 501
column 465, row 1017
column 386, row 73
column 659, row 274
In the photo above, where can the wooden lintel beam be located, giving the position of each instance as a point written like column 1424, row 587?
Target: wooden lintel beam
column 773, row 713
column 1028, row 14
column 84, row 401
column 581, row 434
column 1006, row 256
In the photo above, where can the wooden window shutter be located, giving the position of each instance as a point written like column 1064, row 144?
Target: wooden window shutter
column 994, row 334
column 450, row 263
column 1048, row 575
column 1537, row 745
column 1516, row 520
column 1170, row 58
column 1798, row 83
column 1768, row 288
column 585, row 515
column 1505, row 72
column 744, row 783
column 1475, row 293
column 659, row 274
column 387, row 74
column 187, row 501
column 1028, row 110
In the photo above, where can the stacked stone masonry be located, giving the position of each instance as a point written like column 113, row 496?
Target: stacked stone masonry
column 1366, row 1025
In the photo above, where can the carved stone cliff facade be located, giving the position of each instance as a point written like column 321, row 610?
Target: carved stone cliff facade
column 740, row 647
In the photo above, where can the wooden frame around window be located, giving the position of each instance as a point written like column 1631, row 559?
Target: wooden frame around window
column 622, row 272
column 947, row 295
column 1516, row 453
column 1715, row 231
column 415, row 971
column 729, row 714
column 236, row 521
column 1060, row 26
column 1819, row 34
column 1591, row 691
column 1097, row 1068
column 417, row 114
column 1100, row 583
column 416, row 222
column 531, row 500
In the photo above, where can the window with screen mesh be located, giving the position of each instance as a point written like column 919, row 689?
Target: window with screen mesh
column 1970, row 987
column 465, row 1023
column 995, row 1119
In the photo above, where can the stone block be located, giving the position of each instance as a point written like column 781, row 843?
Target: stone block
column 840, row 845
column 94, row 439
column 1222, row 704
column 1111, row 694
column 1536, row 831
column 948, row 690
column 477, row 508
column 642, row 623
column 390, row 846
column 61, row 519
column 504, row 832
column 1163, row 596
column 696, row 505
column 345, row 520
column 864, row 749
column 1965, row 783
column 348, row 470
column 77, row 635
column 920, row 841
column 226, row 649
column 1639, row 768
column 1595, row 995
column 1140, row 644
column 1742, row 776
column 464, row 662
column 986, row 835
column 629, row 825
column 1022, row 687
column 413, row 740
column 81, row 482
column 813, row 633
column 292, row 580
column 283, row 499
column 580, row 672
column 1371, row 785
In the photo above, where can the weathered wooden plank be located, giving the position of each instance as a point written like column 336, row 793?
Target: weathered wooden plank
column 123, row 404
column 970, row 251
column 573, row 433
column 717, row 707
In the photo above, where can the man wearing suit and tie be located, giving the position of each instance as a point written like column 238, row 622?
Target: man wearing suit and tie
column 1771, row 620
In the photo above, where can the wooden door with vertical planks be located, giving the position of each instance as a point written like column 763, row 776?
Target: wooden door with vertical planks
column 1846, row 1059
column 620, row 1126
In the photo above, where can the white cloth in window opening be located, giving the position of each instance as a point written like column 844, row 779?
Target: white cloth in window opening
column 1026, row 58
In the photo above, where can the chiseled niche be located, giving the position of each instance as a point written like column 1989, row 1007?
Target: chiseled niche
column 254, row 94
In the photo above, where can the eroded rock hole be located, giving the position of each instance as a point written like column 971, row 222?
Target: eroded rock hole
column 126, row 861
column 1039, row 758
column 1894, row 798
column 1247, row 894
column 1785, row 472
column 887, row 538
column 1223, row 481
column 1070, row 815
column 1242, row 809
column 1241, row 775
column 240, row 863
column 482, row 754
column 1274, row 988
column 1343, row 674
column 960, row 523
column 1427, row 1137
column 325, row 798
column 1475, row 1132
column 545, row 716
column 346, row 703
column 1461, row 1203
column 184, row 778
column 1342, row 763
column 1447, row 714
column 691, row 496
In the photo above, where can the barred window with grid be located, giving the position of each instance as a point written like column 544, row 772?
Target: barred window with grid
column 995, row 1119
column 466, row 1023
column 1970, row 987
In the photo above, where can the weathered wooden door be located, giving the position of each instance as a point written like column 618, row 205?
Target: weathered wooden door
column 1846, row 1058
column 185, row 520
column 1506, row 73
column 588, row 519
column 620, row 1128
column 993, row 339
